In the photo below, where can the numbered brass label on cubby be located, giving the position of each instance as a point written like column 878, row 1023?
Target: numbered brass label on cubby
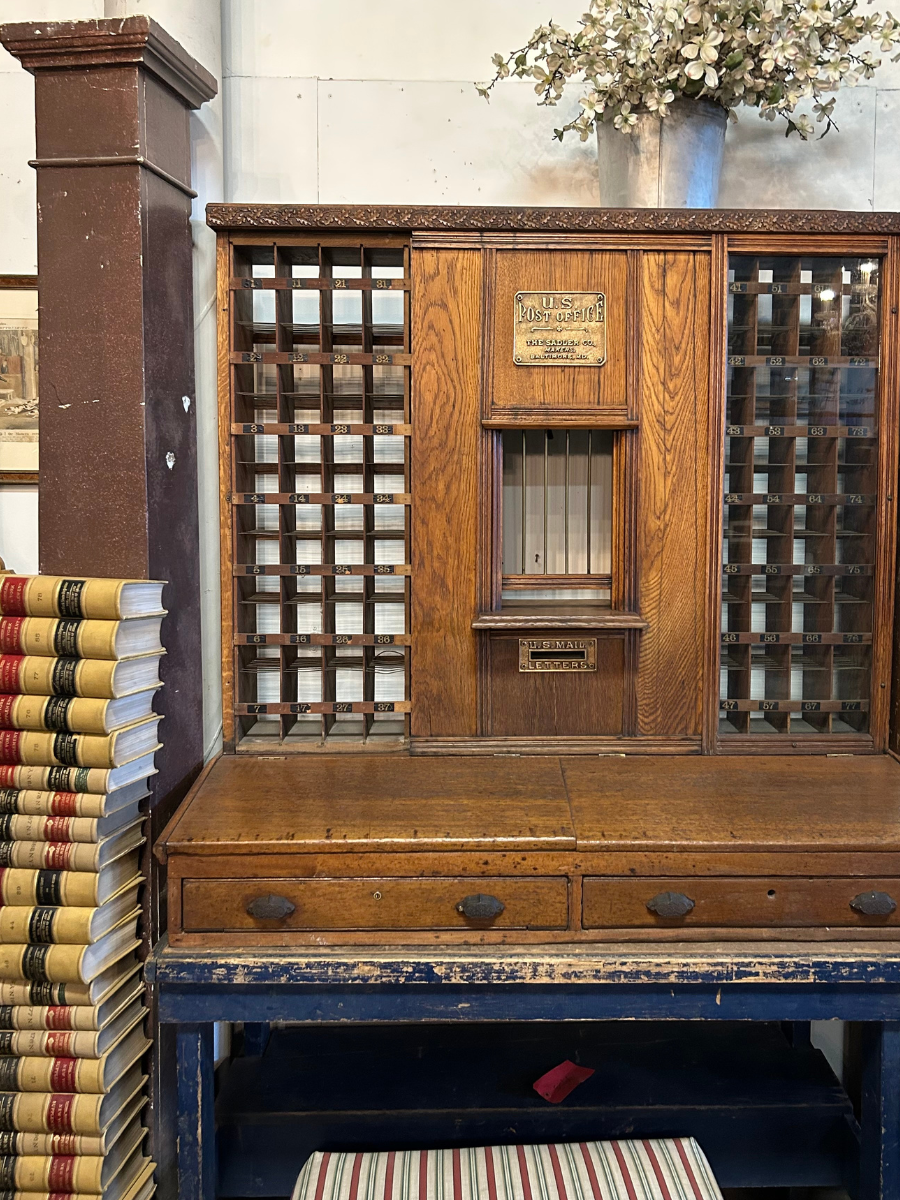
column 559, row 329
column 557, row 654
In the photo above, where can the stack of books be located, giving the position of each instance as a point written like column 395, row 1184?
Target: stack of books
column 79, row 666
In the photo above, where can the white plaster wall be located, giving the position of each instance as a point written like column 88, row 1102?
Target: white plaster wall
column 386, row 112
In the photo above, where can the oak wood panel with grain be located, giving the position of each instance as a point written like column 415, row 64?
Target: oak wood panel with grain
column 518, row 864
column 673, row 483
column 226, row 516
column 556, row 703
column 731, row 804
column 885, row 678
column 546, row 390
column 775, row 901
column 373, row 903
column 373, row 802
column 562, row 941
column 444, row 457
column 712, row 616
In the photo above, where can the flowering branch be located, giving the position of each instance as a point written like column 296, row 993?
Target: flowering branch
column 632, row 55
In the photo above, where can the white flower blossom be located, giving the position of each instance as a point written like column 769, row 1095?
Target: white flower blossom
column 630, row 55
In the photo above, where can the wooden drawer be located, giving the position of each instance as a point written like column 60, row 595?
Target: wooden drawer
column 776, row 902
column 220, row 905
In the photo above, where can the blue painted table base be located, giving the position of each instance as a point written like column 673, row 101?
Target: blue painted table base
column 792, row 984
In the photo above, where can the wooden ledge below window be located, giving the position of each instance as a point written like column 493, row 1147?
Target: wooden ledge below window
column 573, row 616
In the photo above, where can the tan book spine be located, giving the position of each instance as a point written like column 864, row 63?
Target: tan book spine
column 77, row 888
column 49, row 1043
column 69, row 714
column 69, row 780
column 52, row 1074
column 46, row 925
column 31, row 1176
column 32, row 675
column 58, row 637
column 43, row 1017
column 43, row 1144
column 55, row 596
column 50, row 964
column 50, row 856
column 29, row 746
column 30, row 828
column 45, row 1112
column 31, row 993
column 22, row 803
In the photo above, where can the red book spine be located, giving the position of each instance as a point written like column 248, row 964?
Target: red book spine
column 7, row 704
column 57, row 856
column 58, row 829
column 59, row 1016
column 11, row 672
column 10, row 745
column 12, row 595
column 63, row 804
column 11, row 635
column 61, row 1174
column 59, row 1044
column 63, row 1074
column 64, row 1143
column 60, row 1110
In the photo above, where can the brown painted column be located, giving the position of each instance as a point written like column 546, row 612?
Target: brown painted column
column 118, row 488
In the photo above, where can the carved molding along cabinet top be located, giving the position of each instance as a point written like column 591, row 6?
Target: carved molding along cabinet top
column 496, row 219
column 558, row 550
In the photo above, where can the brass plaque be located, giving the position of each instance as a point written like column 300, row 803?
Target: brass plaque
column 557, row 654
column 559, row 329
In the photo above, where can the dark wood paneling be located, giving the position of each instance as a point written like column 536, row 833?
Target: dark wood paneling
column 372, row 903
column 556, row 704
column 557, row 389
column 730, row 903
column 734, row 804
column 446, row 348
column 672, row 526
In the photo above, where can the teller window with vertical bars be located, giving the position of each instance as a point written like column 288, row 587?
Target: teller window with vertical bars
column 320, row 408
column 801, row 449
column 557, row 515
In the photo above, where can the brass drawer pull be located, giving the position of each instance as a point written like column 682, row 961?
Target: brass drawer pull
column 670, row 904
column 270, row 908
column 480, row 907
column 873, row 904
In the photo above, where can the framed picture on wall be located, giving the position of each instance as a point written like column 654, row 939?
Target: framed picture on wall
column 18, row 379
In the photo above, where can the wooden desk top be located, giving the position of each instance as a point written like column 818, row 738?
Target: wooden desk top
column 387, row 803
column 374, row 802
column 735, row 803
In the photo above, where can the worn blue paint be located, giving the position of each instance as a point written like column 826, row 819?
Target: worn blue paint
column 256, row 1038
column 196, row 1118
column 663, row 964
column 712, row 983
column 880, row 1140
column 744, row 1002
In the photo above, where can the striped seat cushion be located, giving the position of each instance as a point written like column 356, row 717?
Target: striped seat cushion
column 660, row 1168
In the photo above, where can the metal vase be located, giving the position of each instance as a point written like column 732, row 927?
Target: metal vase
column 664, row 162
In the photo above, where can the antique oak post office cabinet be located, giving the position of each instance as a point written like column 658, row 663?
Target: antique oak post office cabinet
column 558, row 555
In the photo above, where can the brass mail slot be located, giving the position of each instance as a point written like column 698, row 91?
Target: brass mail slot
column 557, row 654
